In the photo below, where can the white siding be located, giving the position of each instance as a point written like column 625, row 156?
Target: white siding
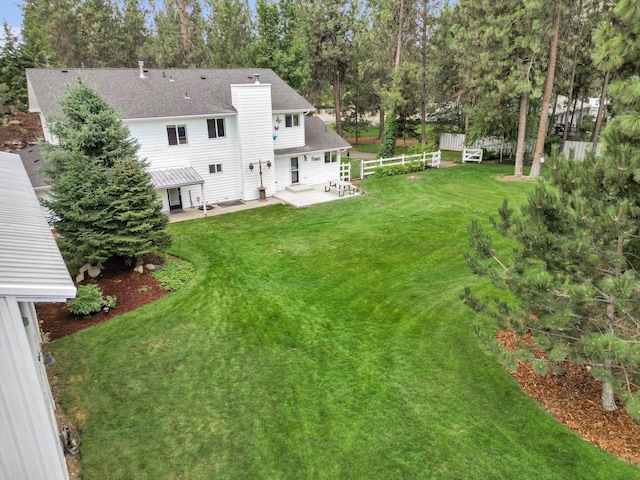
column 29, row 447
column 310, row 171
column 253, row 104
column 287, row 137
column 199, row 152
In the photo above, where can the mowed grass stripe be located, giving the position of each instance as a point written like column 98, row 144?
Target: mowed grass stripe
column 321, row 343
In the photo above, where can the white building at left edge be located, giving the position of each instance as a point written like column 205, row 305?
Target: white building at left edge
column 31, row 270
column 206, row 132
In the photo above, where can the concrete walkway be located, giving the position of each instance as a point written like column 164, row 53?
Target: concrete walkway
column 299, row 196
column 193, row 213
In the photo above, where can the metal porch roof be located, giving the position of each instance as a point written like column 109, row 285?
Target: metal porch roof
column 175, row 177
column 31, row 266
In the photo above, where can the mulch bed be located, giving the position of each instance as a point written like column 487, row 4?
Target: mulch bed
column 131, row 289
column 574, row 399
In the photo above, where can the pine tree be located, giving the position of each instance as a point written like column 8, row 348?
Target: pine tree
column 103, row 202
column 575, row 273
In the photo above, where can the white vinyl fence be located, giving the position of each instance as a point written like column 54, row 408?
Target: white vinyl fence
column 576, row 150
column 367, row 167
column 471, row 155
column 345, row 171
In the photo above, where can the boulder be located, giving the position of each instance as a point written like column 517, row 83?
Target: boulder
column 94, row 271
column 139, row 269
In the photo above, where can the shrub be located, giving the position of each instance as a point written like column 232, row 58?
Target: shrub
column 90, row 300
column 422, row 148
column 400, row 169
column 174, row 274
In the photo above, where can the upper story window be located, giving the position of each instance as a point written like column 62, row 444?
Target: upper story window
column 292, row 120
column 177, row 134
column 215, row 126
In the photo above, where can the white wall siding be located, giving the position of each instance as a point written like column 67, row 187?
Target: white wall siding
column 199, row 152
column 29, row 447
column 287, row 137
column 310, row 171
column 253, row 104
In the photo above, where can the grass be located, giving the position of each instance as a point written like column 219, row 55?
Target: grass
column 322, row 343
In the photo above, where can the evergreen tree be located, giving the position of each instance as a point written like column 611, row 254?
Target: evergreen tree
column 389, row 136
column 229, row 33
column 280, row 43
column 13, row 81
column 91, row 126
column 137, row 226
column 103, row 203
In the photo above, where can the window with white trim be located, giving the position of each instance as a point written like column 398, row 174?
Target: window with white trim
column 177, row 134
column 330, row 157
column 215, row 126
column 292, row 120
column 215, row 168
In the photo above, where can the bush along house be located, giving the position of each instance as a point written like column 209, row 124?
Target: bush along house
column 209, row 136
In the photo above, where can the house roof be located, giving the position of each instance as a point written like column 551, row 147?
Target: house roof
column 175, row 177
column 31, row 266
column 318, row 137
column 162, row 93
column 32, row 160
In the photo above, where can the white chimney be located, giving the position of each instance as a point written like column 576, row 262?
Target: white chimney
column 141, row 65
column 257, row 77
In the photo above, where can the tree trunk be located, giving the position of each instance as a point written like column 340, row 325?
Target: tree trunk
column 574, row 64
column 601, row 109
column 381, row 124
column 546, row 98
column 522, row 131
column 608, row 400
column 399, row 40
column 574, row 108
column 336, row 102
column 184, row 27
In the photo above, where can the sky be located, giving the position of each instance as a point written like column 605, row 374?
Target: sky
column 10, row 12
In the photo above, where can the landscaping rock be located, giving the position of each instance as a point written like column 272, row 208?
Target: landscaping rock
column 85, row 267
column 80, row 277
column 150, row 266
column 139, row 269
column 94, row 271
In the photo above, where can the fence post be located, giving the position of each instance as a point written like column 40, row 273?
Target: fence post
column 362, row 169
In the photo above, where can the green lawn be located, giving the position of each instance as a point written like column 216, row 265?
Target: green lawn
column 322, row 343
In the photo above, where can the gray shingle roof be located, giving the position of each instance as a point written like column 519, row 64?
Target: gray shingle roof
column 33, row 162
column 318, row 137
column 31, row 266
column 162, row 93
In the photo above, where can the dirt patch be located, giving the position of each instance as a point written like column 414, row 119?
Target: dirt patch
column 19, row 130
column 574, row 399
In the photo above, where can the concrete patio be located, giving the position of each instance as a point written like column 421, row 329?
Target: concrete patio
column 298, row 196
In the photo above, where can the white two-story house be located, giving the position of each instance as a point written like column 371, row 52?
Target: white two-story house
column 205, row 133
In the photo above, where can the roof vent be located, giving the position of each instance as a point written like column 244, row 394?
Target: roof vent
column 186, row 96
column 65, row 71
column 257, row 77
column 171, row 78
column 141, row 65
